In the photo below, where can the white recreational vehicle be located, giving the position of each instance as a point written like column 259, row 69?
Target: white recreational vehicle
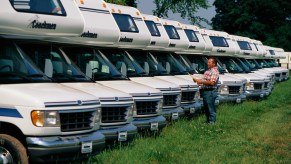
column 101, row 31
column 286, row 60
column 42, row 121
column 230, row 89
column 156, row 65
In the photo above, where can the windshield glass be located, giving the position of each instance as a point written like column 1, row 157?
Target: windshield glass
column 185, row 63
column 153, row 28
column 245, row 68
column 191, row 35
column 254, row 63
column 274, row 63
column 172, row 32
column 218, row 41
column 15, row 67
column 171, row 65
column 231, row 66
column 197, row 63
column 248, row 64
column 53, row 63
column 49, row 7
column 244, row 45
column 125, row 23
column 147, row 62
column 93, row 63
column 263, row 63
column 124, row 62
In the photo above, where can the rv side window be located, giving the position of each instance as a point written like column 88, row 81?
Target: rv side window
column 50, row 7
column 244, row 45
column 218, row 41
column 272, row 52
column 153, row 28
column 125, row 23
column 172, row 32
column 191, row 35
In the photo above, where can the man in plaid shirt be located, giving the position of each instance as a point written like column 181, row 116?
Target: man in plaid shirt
column 209, row 90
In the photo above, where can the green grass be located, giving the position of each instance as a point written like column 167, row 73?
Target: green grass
column 252, row 132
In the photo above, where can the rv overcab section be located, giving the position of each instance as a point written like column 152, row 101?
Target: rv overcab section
column 43, row 18
column 100, row 28
column 133, row 30
column 222, row 44
column 196, row 41
column 159, row 36
column 178, row 38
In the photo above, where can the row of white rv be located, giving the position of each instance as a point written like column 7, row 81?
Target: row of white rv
column 75, row 74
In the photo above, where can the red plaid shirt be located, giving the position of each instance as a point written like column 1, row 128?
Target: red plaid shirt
column 211, row 75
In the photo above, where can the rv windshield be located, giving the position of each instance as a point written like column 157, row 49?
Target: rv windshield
column 275, row 64
column 172, row 66
column 263, row 63
column 197, row 63
column 125, row 23
column 49, row 7
column 146, row 60
column 254, row 63
column 54, row 63
column 172, row 32
column 185, row 63
column 15, row 66
column 93, row 63
column 248, row 64
column 244, row 45
column 270, row 62
column 153, row 28
column 231, row 66
column 242, row 65
column 124, row 62
column 191, row 35
column 218, row 41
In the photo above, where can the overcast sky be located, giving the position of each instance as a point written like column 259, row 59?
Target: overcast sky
column 147, row 6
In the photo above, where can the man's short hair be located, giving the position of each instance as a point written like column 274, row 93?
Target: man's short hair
column 213, row 60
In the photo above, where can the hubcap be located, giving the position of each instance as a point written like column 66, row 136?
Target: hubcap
column 5, row 156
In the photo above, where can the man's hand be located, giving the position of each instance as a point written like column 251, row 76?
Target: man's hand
column 199, row 81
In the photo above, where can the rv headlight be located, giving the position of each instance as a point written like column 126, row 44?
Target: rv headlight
column 130, row 111
column 98, row 116
column 160, row 106
column 134, row 109
column 45, row 118
column 178, row 99
column 223, row 89
column 250, row 86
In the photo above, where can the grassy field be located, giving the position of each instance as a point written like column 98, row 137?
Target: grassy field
column 251, row 132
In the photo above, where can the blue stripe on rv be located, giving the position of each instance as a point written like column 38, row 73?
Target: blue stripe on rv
column 10, row 112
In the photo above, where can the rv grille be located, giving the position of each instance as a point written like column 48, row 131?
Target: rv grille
column 188, row 96
column 277, row 74
column 76, row 121
column 284, row 73
column 233, row 89
column 146, row 107
column 170, row 100
column 257, row 86
column 113, row 114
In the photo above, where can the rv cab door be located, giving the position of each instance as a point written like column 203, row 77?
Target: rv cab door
column 40, row 17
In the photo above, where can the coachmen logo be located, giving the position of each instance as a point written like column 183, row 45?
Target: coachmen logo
column 80, row 102
column 125, row 39
column 42, row 25
column 149, row 94
column 89, row 35
column 172, row 45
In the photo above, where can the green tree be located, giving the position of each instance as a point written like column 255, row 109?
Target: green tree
column 186, row 8
column 268, row 21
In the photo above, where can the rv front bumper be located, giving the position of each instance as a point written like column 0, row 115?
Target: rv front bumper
column 64, row 148
column 255, row 94
column 150, row 123
column 173, row 113
column 231, row 98
column 120, row 133
column 192, row 108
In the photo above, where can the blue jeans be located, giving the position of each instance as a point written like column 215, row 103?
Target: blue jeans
column 209, row 105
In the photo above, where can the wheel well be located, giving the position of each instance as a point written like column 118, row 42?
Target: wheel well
column 10, row 129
